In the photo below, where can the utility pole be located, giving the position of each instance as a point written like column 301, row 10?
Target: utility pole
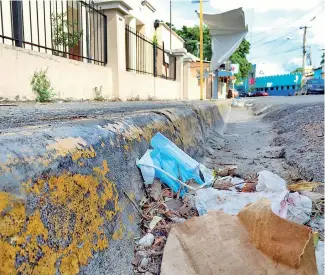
column 170, row 25
column 304, row 55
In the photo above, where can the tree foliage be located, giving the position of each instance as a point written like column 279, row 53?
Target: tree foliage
column 239, row 57
column 191, row 36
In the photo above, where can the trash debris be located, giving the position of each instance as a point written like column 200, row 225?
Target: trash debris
column 154, row 222
column 155, row 190
column 177, row 219
column 270, row 182
column 160, row 212
column 227, row 171
column 172, row 166
column 299, row 208
column 147, row 240
column 174, row 204
column 291, row 206
column 257, row 240
column 303, row 186
column 179, row 189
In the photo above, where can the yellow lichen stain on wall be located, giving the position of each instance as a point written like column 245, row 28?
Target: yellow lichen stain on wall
column 74, row 146
column 69, row 265
column 80, row 205
column 119, row 233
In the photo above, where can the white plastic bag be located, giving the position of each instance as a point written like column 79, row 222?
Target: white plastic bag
column 148, row 173
column 232, row 202
column 299, row 208
column 270, row 182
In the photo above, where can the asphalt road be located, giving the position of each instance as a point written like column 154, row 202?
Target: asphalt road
column 299, row 123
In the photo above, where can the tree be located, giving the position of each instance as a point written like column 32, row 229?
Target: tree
column 297, row 70
column 239, row 57
column 191, row 36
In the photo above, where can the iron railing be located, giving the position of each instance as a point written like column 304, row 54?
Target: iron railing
column 146, row 57
column 72, row 29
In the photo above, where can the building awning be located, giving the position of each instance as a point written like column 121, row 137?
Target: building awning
column 227, row 31
column 224, row 73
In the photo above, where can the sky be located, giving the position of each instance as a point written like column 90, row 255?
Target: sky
column 276, row 40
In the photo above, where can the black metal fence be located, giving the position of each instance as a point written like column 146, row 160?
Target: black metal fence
column 72, row 29
column 144, row 56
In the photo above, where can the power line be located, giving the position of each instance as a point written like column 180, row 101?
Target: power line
column 286, row 23
column 291, row 50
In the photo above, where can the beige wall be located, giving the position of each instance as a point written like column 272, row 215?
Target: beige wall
column 144, row 16
column 144, row 87
column 192, row 84
column 163, row 35
column 70, row 79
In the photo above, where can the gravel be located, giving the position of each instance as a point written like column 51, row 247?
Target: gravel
column 300, row 130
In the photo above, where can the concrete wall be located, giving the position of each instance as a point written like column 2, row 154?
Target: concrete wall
column 70, row 79
column 62, row 202
column 144, row 87
column 144, row 16
column 163, row 35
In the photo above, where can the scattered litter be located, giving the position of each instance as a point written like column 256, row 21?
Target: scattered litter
column 227, row 171
column 172, row 166
column 258, row 241
column 147, row 240
column 155, row 190
column 177, row 219
column 299, row 208
column 179, row 189
column 154, row 222
column 270, row 182
column 143, row 201
column 303, row 186
column 291, row 206
column 174, row 204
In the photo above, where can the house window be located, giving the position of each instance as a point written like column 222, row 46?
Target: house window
column 272, row 88
column 288, row 87
column 282, row 87
column 293, row 86
column 277, row 88
column 266, row 89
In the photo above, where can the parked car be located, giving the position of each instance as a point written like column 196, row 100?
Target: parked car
column 314, row 86
column 259, row 93
column 243, row 94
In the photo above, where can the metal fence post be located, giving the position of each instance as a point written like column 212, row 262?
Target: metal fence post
column 154, row 60
column 17, row 22
column 105, row 40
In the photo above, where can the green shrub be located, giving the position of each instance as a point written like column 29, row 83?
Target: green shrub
column 41, row 85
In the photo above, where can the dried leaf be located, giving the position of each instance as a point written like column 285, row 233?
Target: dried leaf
column 303, row 186
column 154, row 222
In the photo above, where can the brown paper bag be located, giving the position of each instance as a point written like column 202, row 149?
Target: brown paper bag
column 254, row 242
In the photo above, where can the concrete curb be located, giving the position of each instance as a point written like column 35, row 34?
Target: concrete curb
column 62, row 203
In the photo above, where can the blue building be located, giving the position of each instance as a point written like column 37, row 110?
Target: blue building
column 278, row 85
column 318, row 73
